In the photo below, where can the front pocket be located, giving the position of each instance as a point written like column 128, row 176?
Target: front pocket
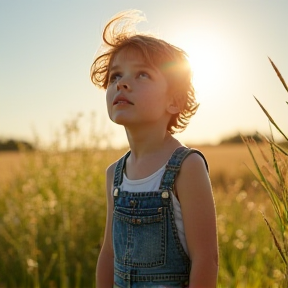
column 139, row 238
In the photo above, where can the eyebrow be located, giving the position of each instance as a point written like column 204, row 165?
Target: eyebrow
column 137, row 66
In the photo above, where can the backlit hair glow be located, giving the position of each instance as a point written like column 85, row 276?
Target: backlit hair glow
column 119, row 34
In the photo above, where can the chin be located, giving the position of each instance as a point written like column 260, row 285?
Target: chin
column 120, row 121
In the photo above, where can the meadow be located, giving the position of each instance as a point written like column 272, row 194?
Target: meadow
column 52, row 217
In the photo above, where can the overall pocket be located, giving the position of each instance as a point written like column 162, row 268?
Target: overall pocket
column 139, row 236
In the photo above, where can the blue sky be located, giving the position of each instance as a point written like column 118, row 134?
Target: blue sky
column 47, row 48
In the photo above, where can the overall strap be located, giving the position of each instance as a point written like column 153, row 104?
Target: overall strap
column 118, row 174
column 174, row 164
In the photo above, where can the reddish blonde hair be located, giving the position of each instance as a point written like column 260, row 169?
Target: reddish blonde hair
column 172, row 61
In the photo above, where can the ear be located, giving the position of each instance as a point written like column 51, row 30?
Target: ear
column 172, row 105
column 173, row 109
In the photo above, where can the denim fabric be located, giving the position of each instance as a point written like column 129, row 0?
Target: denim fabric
column 147, row 249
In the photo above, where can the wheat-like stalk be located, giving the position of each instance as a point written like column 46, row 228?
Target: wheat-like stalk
column 273, row 177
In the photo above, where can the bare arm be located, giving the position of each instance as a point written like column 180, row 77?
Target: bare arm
column 199, row 218
column 105, row 265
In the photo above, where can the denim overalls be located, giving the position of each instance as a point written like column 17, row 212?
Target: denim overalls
column 147, row 249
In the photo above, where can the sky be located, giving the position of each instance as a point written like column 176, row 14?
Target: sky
column 47, row 48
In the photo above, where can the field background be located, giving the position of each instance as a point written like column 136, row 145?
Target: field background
column 52, row 217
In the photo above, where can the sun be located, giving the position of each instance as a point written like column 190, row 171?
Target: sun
column 209, row 62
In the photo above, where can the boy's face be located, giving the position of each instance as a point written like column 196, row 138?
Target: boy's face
column 137, row 93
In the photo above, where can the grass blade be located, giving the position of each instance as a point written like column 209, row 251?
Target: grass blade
column 270, row 118
column 278, row 147
column 276, row 241
column 276, row 202
column 279, row 75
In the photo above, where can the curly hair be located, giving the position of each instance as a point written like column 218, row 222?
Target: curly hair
column 172, row 61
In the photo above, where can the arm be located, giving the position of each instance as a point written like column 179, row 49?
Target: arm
column 199, row 219
column 105, row 265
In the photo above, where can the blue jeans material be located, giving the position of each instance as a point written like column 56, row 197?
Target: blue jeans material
column 147, row 249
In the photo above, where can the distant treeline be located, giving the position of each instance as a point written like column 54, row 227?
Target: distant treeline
column 238, row 138
column 15, row 145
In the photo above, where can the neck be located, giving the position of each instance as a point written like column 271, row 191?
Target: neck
column 144, row 142
column 150, row 148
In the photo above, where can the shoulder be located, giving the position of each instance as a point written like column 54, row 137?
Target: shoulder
column 195, row 160
column 193, row 175
column 111, row 169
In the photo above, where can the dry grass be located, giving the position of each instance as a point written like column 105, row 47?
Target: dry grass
column 10, row 164
column 231, row 160
column 53, row 218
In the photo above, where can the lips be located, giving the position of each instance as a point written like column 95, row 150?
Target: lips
column 121, row 100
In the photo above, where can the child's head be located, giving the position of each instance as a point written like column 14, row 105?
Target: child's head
column 170, row 60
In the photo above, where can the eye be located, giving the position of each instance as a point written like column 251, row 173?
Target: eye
column 143, row 74
column 114, row 77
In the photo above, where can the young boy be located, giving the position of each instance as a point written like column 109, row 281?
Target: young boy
column 161, row 223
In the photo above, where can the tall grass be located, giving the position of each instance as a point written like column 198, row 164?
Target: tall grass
column 52, row 218
column 52, row 215
column 273, row 175
column 52, row 221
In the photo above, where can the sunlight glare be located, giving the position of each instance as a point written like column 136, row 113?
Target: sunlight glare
column 209, row 62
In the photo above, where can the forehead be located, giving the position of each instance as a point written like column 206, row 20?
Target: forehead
column 130, row 54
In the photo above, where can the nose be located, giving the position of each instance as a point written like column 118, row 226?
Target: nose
column 123, row 84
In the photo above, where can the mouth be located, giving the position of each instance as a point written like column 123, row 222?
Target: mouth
column 121, row 100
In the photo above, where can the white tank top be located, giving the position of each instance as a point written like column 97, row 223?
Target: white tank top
column 152, row 183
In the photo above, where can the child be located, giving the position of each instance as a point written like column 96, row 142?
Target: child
column 160, row 227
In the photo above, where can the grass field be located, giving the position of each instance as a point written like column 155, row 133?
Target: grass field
column 229, row 160
column 52, row 211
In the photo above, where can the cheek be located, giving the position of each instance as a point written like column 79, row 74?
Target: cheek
column 109, row 100
column 109, row 95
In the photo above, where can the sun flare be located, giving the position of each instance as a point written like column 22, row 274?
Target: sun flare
column 208, row 60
